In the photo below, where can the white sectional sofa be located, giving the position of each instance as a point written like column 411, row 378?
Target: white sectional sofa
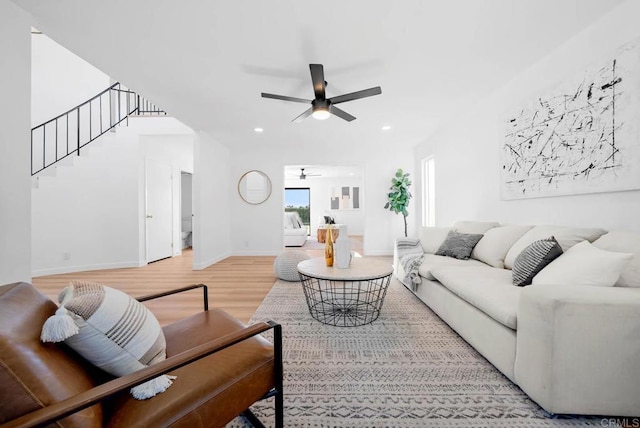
column 295, row 233
column 570, row 340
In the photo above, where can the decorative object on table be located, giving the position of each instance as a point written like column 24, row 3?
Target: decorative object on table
column 579, row 136
column 342, row 249
column 327, row 219
column 398, row 197
column 328, row 248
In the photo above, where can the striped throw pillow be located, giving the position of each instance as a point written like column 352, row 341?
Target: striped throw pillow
column 533, row 259
column 111, row 330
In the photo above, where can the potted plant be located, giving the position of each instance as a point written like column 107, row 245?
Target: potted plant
column 398, row 196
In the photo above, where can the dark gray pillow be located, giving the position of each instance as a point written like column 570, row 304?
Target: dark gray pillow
column 458, row 245
column 533, row 259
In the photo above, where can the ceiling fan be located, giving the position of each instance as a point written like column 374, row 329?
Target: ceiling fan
column 321, row 106
column 304, row 176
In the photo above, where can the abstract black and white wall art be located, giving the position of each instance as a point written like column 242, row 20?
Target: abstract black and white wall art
column 579, row 137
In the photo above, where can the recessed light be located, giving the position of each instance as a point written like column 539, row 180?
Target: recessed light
column 386, row 128
column 258, row 129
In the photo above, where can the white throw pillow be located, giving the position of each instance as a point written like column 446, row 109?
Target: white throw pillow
column 626, row 241
column 584, row 264
column 432, row 237
column 111, row 330
column 566, row 237
column 493, row 247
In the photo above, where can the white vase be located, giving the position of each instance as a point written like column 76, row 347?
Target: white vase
column 342, row 249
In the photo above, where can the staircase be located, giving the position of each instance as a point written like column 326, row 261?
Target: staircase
column 64, row 136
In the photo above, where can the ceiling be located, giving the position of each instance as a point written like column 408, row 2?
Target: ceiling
column 206, row 62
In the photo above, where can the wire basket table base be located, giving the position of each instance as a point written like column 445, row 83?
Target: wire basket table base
column 345, row 303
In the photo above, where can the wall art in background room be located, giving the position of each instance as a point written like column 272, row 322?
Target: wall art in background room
column 345, row 198
column 579, row 137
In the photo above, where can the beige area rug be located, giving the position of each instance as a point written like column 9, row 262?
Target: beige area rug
column 406, row 369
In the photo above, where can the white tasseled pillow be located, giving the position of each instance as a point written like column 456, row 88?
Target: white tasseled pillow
column 111, row 330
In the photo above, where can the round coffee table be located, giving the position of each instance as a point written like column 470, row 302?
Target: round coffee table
column 345, row 297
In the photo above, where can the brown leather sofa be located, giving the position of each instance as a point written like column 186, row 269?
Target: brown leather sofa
column 222, row 367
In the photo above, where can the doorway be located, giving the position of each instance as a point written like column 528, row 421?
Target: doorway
column 298, row 199
column 158, row 208
column 186, row 210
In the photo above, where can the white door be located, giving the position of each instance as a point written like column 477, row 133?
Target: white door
column 158, row 211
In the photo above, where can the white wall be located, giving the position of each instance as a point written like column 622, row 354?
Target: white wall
column 320, row 189
column 90, row 215
column 15, row 185
column 60, row 80
column 257, row 229
column 467, row 149
column 211, row 208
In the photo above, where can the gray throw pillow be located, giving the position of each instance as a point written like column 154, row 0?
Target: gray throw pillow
column 533, row 259
column 458, row 245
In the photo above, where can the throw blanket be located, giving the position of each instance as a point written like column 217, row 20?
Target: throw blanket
column 410, row 256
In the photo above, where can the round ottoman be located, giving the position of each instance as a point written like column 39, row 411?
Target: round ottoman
column 286, row 265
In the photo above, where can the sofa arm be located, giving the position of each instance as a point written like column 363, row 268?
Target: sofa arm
column 101, row 392
column 403, row 246
column 578, row 349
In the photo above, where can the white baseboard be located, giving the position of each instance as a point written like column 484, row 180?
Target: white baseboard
column 83, row 268
column 207, row 263
column 261, row 253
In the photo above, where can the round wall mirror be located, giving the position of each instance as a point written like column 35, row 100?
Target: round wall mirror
column 254, row 187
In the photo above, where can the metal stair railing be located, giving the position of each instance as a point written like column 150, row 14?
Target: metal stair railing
column 67, row 133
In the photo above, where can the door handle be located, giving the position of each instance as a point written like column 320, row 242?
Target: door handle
column 149, row 216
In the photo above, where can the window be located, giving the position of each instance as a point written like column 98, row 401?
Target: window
column 297, row 199
column 428, row 192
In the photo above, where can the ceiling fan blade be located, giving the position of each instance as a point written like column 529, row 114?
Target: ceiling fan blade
column 356, row 95
column 304, row 115
column 317, row 78
column 341, row 113
column 285, row 98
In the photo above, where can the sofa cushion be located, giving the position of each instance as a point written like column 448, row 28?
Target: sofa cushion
column 624, row 241
column 474, row 227
column 533, row 259
column 458, row 245
column 111, row 330
column 488, row 289
column 493, row 247
column 566, row 237
column 210, row 390
column 584, row 264
column 432, row 237
column 432, row 261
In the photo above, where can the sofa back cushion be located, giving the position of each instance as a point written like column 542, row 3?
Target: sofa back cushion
column 494, row 245
column 432, row 237
column 474, row 227
column 567, row 237
column 624, row 241
column 33, row 374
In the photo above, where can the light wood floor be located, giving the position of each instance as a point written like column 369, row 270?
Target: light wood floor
column 237, row 284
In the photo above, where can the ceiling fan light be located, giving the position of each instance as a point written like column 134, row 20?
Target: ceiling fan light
column 321, row 113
